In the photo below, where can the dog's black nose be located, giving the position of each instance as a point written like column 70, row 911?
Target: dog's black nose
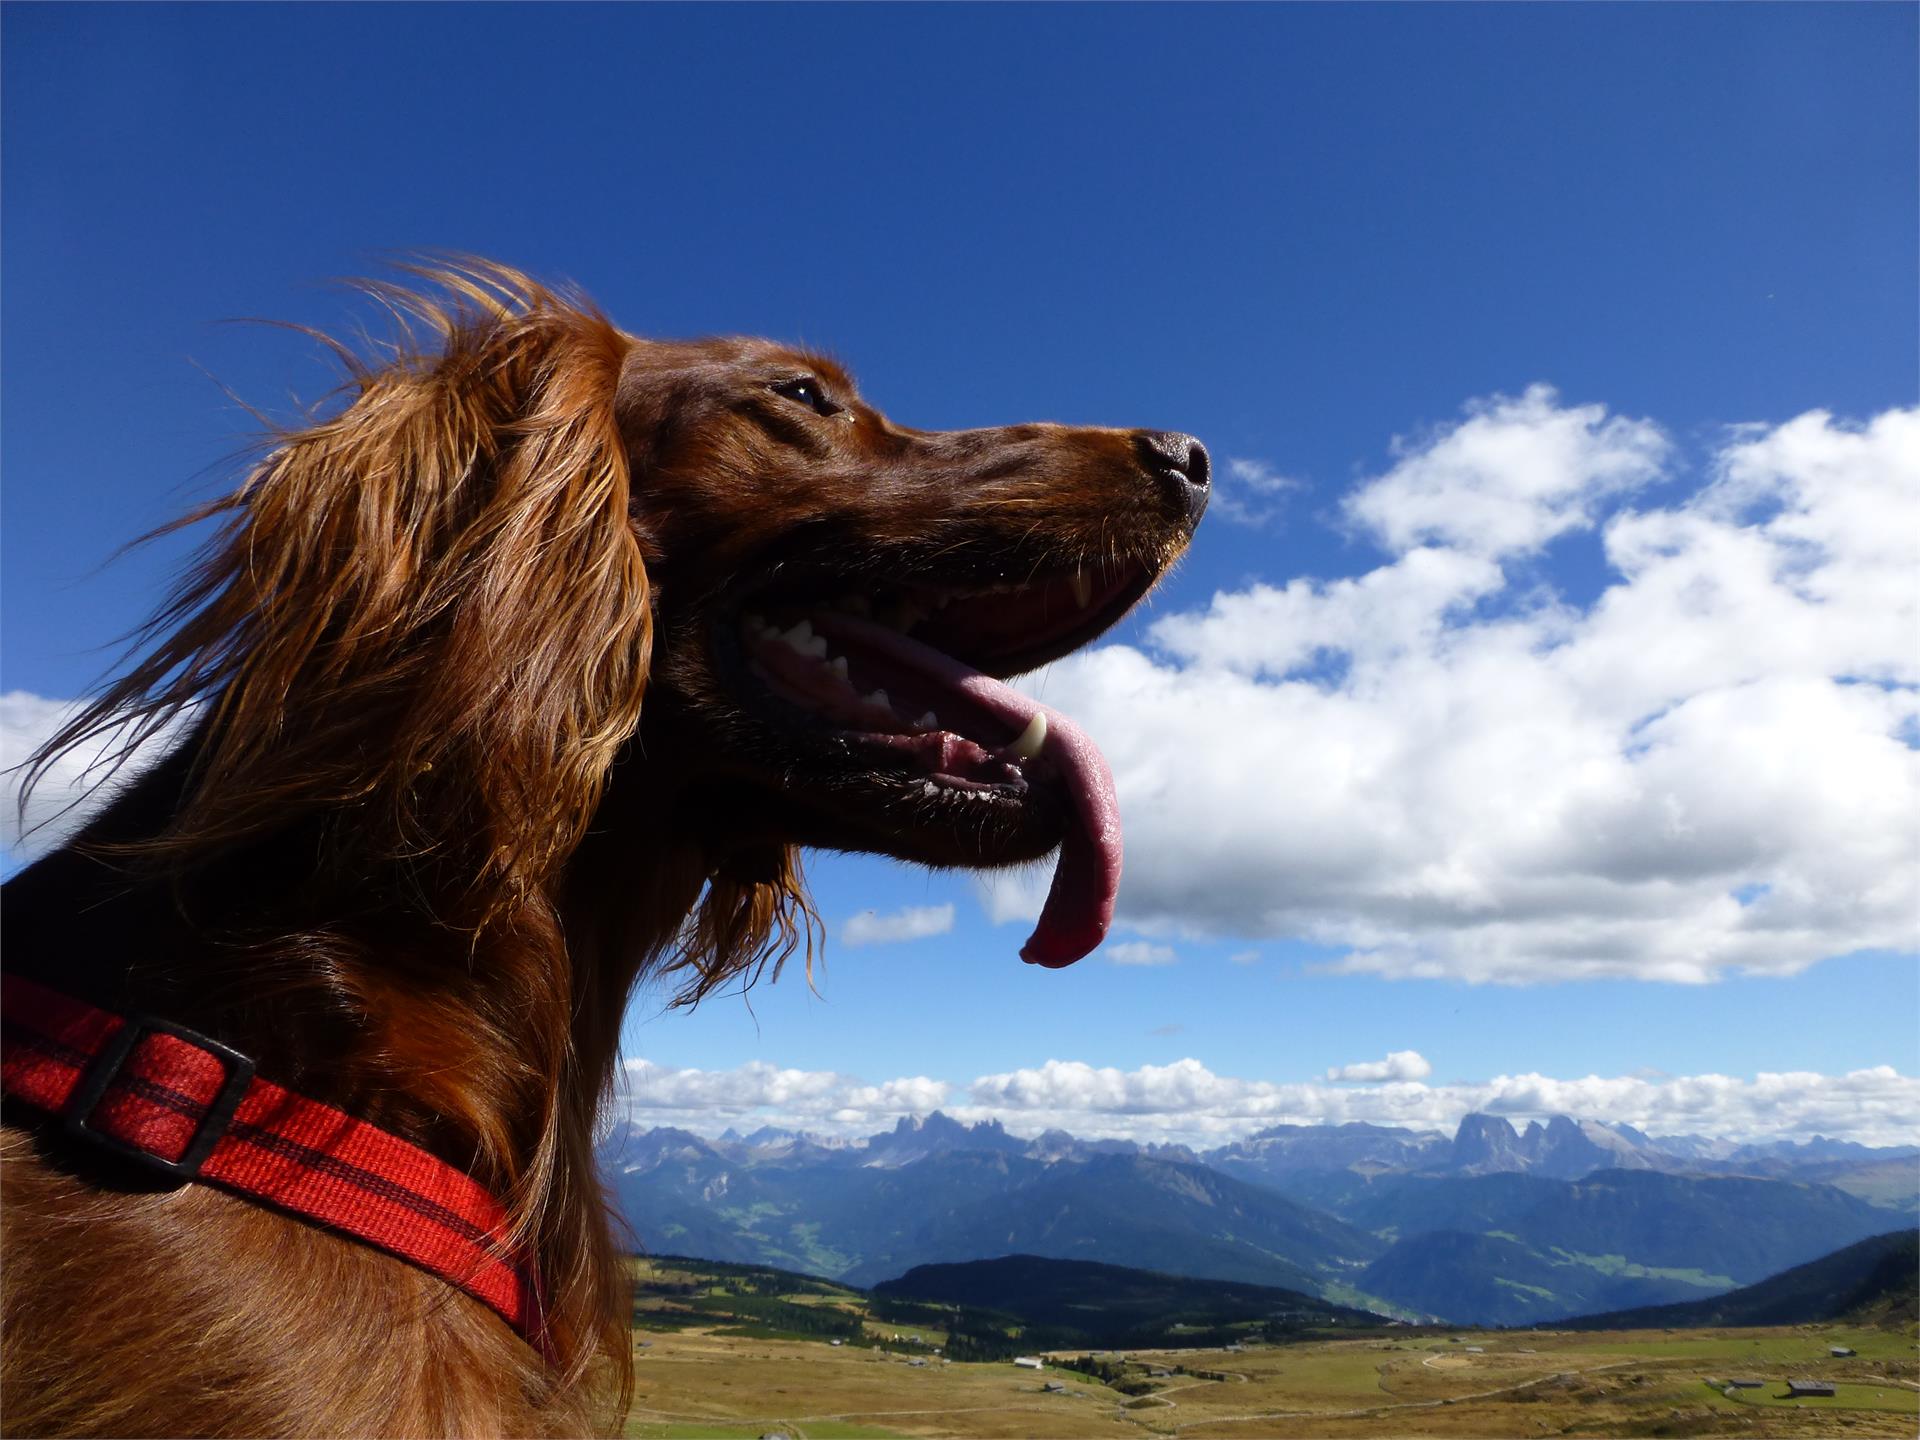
column 1181, row 462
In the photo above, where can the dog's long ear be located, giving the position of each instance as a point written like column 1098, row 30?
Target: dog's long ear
column 429, row 613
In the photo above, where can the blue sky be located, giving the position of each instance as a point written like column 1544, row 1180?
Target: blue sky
column 1314, row 236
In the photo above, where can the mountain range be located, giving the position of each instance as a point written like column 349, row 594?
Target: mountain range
column 1563, row 1147
column 1492, row 1225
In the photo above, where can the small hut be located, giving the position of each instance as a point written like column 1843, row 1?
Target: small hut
column 1802, row 1389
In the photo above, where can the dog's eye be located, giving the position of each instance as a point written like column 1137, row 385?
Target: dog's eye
column 805, row 390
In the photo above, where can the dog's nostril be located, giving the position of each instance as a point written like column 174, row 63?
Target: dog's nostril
column 1182, row 454
column 1181, row 462
column 1199, row 467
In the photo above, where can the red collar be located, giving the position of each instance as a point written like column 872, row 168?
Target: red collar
column 192, row 1108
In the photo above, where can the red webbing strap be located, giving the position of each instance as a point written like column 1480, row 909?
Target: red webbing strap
column 166, row 1094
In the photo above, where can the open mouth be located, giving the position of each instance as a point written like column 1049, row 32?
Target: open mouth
column 907, row 677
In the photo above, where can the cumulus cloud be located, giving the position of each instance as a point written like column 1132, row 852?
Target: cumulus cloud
column 1510, row 477
column 916, row 922
column 759, row 1093
column 1439, row 769
column 1185, row 1102
column 1186, row 1099
column 1399, row 1065
column 73, row 788
column 1251, row 492
column 1140, row 952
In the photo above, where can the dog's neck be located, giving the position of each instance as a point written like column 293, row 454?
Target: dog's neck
column 335, row 973
column 491, row 1048
column 341, row 978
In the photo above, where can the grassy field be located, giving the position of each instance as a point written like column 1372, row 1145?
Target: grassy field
column 698, row 1379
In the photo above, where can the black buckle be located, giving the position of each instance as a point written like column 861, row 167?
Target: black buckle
column 104, row 1069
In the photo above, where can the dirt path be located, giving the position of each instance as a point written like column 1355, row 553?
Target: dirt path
column 942, row 1410
column 796, row 1425
column 1161, row 1395
column 1365, row 1410
column 979, row 1409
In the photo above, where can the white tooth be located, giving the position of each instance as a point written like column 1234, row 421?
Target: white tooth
column 800, row 634
column 1032, row 738
column 879, row 697
column 1082, row 588
column 928, row 721
column 838, row 665
column 816, row 647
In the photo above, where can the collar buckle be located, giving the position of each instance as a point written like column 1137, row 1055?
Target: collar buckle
column 105, row 1069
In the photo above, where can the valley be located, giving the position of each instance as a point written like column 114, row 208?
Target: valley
column 1307, row 1281
column 713, row 1360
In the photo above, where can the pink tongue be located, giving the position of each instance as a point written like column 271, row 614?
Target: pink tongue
column 1079, row 905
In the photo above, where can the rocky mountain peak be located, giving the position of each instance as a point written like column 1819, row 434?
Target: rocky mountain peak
column 1485, row 1144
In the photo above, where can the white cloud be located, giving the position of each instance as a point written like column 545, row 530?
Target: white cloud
column 1250, row 492
column 1399, row 1065
column 1139, row 952
column 916, row 922
column 760, row 1093
column 1186, row 1102
column 1441, row 771
column 1510, row 477
column 73, row 788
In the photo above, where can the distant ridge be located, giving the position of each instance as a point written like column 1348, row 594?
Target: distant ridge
column 1874, row 1280
column 1069, row 1302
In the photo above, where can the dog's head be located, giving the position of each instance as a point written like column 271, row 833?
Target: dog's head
column 538, row 576
column 840, row 597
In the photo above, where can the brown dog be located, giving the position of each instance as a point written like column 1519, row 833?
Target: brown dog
column 423, row 836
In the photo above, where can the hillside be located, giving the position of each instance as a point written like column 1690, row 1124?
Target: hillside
column 981, row 1310
column 1496, row 1279
column 1507, row 1249
column 1078, row 1302
column 1876, row 1280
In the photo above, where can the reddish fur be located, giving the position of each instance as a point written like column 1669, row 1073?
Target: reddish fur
column 418, row 847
